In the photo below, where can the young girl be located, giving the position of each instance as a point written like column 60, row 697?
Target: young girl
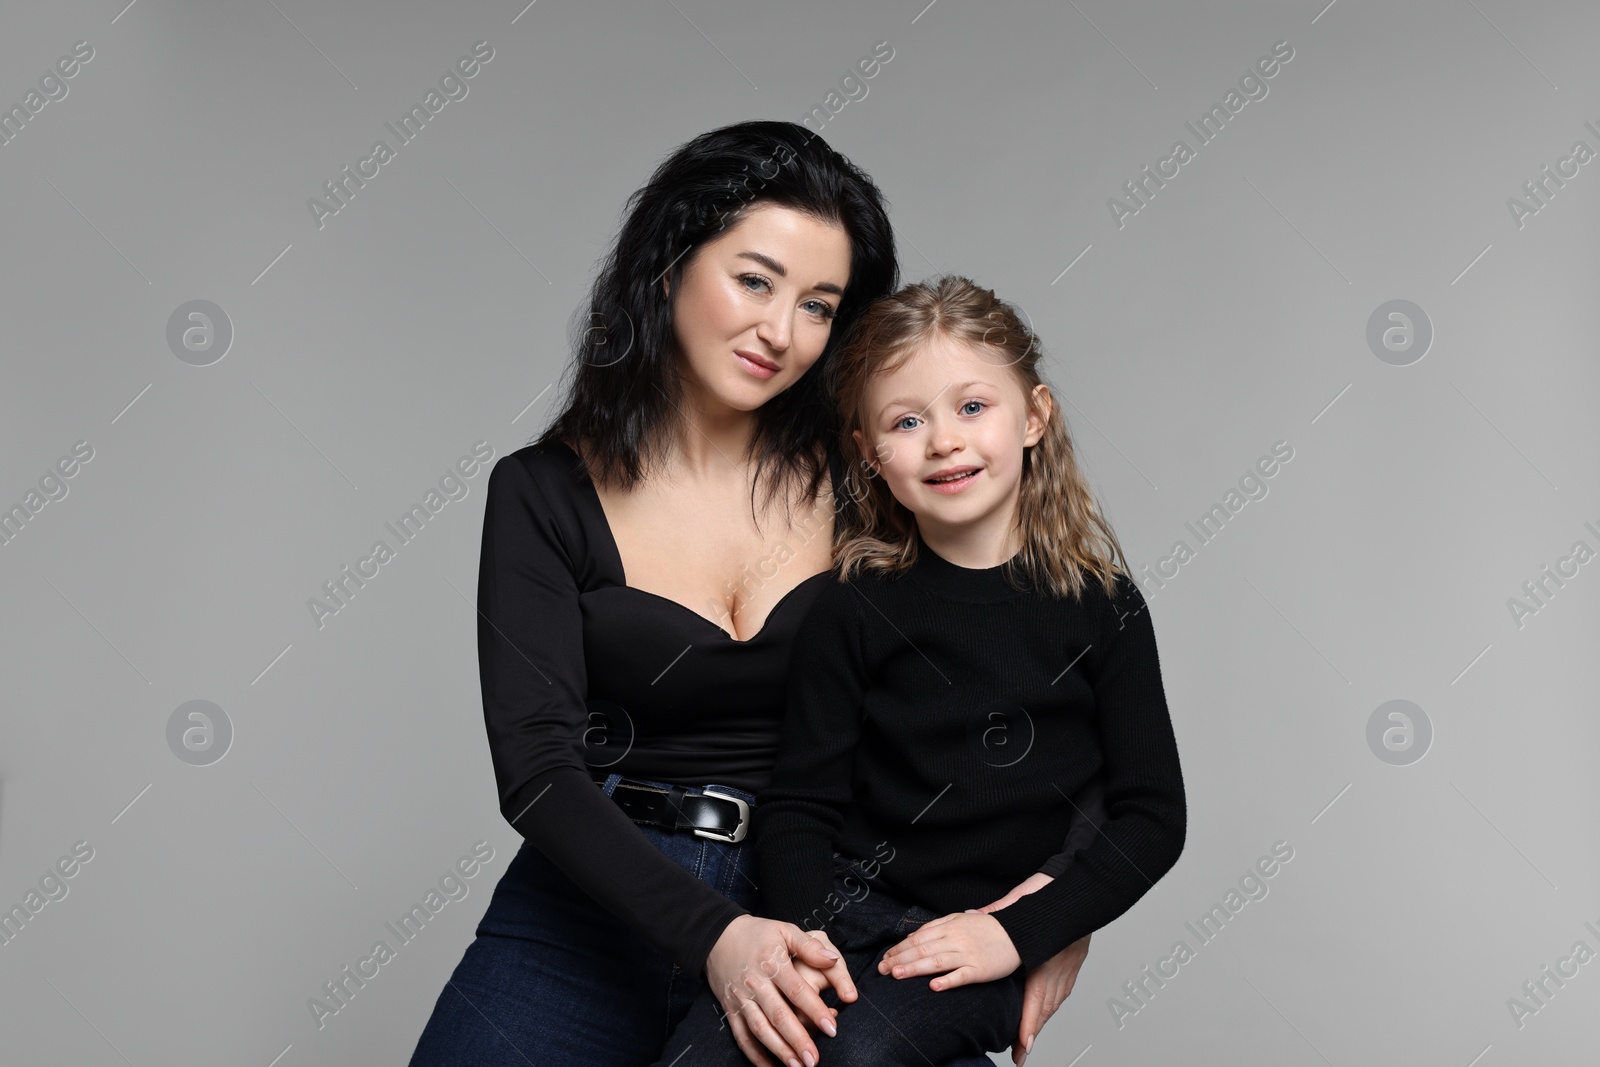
column 981, row 659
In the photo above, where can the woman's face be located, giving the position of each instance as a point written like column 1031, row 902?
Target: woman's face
column 756, row 303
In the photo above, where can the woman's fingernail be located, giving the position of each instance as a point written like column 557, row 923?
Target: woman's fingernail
column 1027, row 1044
column 832, row 1030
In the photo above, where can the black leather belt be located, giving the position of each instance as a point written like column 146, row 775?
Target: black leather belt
column 708, row 812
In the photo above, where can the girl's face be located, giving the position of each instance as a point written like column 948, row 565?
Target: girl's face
column 755, row 305
column 952, row 409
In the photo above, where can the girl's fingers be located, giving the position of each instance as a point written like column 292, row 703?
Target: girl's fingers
column 918, row 947
column 958, row 977
column 935, row 962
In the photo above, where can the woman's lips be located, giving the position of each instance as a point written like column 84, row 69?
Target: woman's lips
column 759, row 370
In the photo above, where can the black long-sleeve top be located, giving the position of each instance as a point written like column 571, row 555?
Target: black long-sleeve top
column 582, row 673
column 951, row 716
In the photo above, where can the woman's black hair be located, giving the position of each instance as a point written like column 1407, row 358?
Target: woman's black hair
column 624, row 388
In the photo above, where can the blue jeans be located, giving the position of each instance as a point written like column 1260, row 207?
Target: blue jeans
column 554, row 979
column 892, row 1021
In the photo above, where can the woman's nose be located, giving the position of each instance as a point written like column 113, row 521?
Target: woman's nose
column 776, row 328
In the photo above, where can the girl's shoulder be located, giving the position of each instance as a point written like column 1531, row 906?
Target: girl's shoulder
column 1116, row 604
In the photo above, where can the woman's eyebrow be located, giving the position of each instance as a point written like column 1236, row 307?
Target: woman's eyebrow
column 777, row 268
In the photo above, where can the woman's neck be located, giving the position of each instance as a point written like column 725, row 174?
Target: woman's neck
column 709, row 436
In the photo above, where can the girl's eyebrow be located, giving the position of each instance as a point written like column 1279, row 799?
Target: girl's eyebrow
column 909, row 402
column 777, row 268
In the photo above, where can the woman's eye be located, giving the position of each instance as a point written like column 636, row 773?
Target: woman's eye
column 758, row 279
column 821, row 307
column 969, row 403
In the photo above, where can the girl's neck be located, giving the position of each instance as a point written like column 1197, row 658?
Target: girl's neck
column 976, row 546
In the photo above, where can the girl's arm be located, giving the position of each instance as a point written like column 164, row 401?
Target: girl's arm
column 798, row 816
column 534, row 679
column 1147, row 815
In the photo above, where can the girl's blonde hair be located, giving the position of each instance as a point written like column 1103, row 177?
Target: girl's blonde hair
column 1064, row 537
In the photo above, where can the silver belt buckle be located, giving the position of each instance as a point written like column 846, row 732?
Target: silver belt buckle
column 739, row 831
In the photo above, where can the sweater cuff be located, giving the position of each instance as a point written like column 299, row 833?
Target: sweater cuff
column 1034, row 924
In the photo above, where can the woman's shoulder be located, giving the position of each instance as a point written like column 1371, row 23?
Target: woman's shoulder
column 554, row 466
column 546, row 478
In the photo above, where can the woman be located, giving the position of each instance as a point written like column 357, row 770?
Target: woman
column 629, row 731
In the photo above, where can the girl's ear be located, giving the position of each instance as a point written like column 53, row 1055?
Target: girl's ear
column 1038, row 414
column 861, row 448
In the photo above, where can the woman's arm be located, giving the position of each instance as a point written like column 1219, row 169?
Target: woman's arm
column 1088, row 813
column 533, row 674
column 534, row 678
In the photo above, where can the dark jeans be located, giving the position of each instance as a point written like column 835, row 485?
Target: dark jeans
column 892, row 1021
column 555, row 980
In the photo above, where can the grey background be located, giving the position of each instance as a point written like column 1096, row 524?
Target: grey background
column 432, row 312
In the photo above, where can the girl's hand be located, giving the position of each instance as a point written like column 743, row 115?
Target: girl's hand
column 751, row 972
column 1048, row 984
column 963, row 948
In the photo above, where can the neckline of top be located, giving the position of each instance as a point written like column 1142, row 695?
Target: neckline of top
column 986, row 585
column 581, row 475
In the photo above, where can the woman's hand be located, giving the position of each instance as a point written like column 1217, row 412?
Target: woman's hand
column 1048, row 984
column 751, row 972
column 820, row 980
column 962, row 948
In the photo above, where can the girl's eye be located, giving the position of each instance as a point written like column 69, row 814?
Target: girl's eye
column 900, row 423
column 969, row 403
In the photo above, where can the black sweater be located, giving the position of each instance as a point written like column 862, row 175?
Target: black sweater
column 948, row 716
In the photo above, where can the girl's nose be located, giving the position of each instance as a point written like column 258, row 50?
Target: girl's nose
column 945, row 439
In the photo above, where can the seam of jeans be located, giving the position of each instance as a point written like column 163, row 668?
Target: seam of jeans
column 730, row 869
column 701, row 846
